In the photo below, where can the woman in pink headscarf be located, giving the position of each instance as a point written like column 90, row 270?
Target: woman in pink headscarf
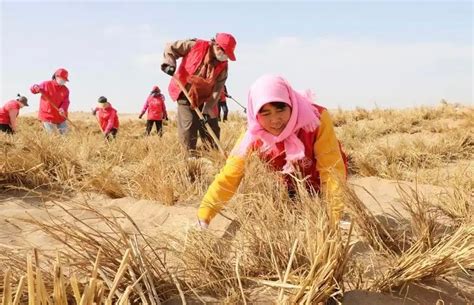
column 293, row 135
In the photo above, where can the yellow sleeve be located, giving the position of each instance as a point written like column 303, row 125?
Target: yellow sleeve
column 330, row 165
column 222, row 188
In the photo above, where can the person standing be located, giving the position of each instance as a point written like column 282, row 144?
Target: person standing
column 9, row 113
column 203, row 73
column 223, row 105
column 156, row 111
column 54, row 101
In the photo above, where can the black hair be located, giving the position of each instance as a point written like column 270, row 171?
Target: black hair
column 277, row 105
column 54, row 76
column 102, row 99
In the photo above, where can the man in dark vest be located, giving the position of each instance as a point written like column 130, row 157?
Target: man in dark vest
column 203, row 72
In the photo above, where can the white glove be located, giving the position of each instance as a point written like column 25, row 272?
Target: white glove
column 202, row 224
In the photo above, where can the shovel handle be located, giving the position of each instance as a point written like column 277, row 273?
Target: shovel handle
column 199, row 113
column 46, row 96
column 245, row 109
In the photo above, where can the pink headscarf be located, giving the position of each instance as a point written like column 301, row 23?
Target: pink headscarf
column 272, row 88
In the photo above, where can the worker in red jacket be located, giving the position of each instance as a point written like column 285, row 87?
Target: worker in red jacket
column 203, row 72
column 9, row 113
column 107, row 118
column 54, row 102
column 155, row 105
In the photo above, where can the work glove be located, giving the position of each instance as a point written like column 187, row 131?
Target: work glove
column 166, row 117
column 201, row 224
column 227, row 95
column 62, row 112
column 168, row 69
column 140, row 116
column 35, row 89
column 205, row 119
column 93, row 111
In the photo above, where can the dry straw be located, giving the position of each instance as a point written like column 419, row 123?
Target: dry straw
column 279, row 250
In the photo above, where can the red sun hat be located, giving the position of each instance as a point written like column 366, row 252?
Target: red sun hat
column 62, row 73
column 227, row 43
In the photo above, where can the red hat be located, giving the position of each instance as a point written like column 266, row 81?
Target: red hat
column 62, row 73
column 227, row 42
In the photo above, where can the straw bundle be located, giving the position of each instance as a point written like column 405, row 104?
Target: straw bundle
column 451, row 254
column 141, row 268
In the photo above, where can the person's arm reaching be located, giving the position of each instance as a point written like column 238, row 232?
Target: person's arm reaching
column 64, row 106
column 13, row 113
column 172, row 52
column 330, row 165
column 110, row 122
column 35, row 89
column 223, row 188
column 145, row 107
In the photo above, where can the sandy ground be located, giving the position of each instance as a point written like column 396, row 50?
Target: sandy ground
column 379, row 195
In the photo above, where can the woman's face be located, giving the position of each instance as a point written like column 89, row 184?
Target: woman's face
column 274, row 119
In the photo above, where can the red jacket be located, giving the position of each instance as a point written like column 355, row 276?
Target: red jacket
column 108, row 118
column 307, row 165
column 5, row 111
column 57, row 95
column 189, row 64
column 156, row 108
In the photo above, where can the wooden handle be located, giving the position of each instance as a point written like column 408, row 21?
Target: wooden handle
column 57, row 109
column 199, row 113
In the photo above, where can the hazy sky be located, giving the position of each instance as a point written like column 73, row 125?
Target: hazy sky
column 351, row 53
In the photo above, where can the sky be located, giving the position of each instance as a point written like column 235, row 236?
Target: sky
column 387, row 54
